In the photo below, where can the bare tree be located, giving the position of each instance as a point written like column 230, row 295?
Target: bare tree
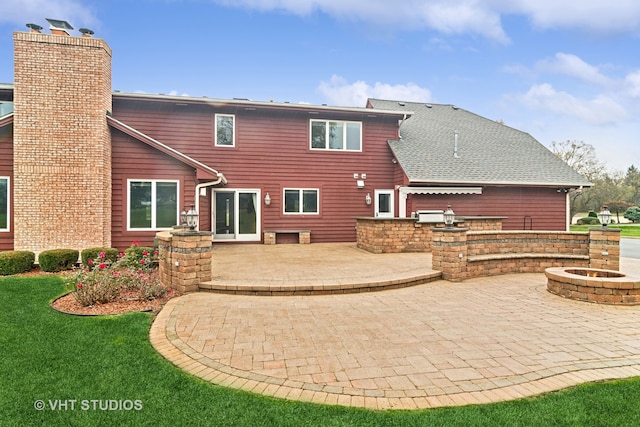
column 580, row 156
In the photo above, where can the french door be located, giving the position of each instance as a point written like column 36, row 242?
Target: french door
column 236, row 215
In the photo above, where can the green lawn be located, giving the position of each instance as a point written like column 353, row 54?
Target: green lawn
column 626, row 230
column 50, row 356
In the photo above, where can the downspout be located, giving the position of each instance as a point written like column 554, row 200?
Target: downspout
column 404, row 118
column 221, row 179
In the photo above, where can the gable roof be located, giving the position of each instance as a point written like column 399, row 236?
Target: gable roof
column 202, row 171
column 486, row 152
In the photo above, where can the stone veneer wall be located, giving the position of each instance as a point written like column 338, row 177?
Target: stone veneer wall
column 395, row 235
column 461, row 254
column 62, row 146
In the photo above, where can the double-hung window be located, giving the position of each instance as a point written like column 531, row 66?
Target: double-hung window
column 4, row 203
column 152, row 204
column 225, row 130
column 301, row 201
column 336, row 135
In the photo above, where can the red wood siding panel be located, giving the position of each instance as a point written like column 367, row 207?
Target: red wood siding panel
column 545, row 206
column 6, row 169
column 272, row 153
column 132, row 159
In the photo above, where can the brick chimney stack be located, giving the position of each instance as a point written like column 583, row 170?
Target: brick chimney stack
column 62, row 143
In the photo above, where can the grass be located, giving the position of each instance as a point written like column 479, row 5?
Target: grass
column 626, row 230
column 51, row 356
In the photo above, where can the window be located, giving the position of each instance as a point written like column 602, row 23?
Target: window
column 153, row 205
column 327, row 135
column 225, row 130
column 4, row 203
column 300, row 201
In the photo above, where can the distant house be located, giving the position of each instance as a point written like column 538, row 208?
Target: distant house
column 83, row 166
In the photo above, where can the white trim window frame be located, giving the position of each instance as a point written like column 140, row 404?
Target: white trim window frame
column 335, row 135
column 302, row 204
column 225, row 132
column 7, row 209
column 150, row 206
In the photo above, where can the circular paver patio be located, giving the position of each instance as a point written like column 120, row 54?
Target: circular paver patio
column 439, row 344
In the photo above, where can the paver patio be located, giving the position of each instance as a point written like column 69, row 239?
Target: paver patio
column 438, row 344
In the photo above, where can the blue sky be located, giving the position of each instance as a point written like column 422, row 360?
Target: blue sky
column 560, row 70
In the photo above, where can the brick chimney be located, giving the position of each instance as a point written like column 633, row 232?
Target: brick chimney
column 62, row 143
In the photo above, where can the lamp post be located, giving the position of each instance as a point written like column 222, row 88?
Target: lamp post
column 605, row 216
column 449, row 217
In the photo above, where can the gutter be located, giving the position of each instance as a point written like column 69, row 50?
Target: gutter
column 221, row 179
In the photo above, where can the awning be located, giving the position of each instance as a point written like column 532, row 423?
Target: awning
column 440, row 190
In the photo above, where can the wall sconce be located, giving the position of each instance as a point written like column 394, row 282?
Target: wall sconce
column 449, row 217
column 367, row 199
column 605, row 216
column 267, row 199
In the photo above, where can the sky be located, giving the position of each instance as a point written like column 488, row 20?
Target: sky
column 559, row 70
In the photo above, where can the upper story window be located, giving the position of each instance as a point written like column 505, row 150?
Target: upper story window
column 152, row 204
column 336, row 135
column 225, row 130
column 4, row 203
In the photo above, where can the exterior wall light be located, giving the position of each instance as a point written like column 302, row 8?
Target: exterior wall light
column 192, row 218
column 267, row 199
column 449, row 217
column 605, row 216
column 367, row 199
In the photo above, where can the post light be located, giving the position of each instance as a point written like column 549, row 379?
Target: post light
column 605, row 216
column 267, row 199
column 367, row 199
column 449, row 217
column 192, row 218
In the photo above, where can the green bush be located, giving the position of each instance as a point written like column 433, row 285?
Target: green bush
column 58, row 259
column 136, row 256
column 592, row 214
column 588, row 221
column 110, row 254
column 15, row 262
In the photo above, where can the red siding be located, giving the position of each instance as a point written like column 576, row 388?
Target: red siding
column 544, row 208
column 6, row 169
column 132, row 159
column 272, row 153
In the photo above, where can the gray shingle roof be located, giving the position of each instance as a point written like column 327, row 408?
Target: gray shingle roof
column 488, row 151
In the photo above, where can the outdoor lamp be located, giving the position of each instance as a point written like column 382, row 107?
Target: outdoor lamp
column 192, row 218
column 605, row 216
column 449, row 216
column 183, row 218
column 367, row 199
column 267, row 199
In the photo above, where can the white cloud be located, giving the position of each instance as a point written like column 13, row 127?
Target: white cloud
column 482, row 17
column 34, row 11
column 338, row 91
column 633, row 83
column 601, row 110
column 573, row 66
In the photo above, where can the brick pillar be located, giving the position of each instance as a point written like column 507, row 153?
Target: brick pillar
column 62, row 143
column 185, row 259
column 449, row 252
column 604, row 248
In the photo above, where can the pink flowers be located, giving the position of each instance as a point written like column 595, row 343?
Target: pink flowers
column 102, row 255
column 145, row 253
column 79, row 285
column 102, row 265
column 143, row 262
column 90, row 262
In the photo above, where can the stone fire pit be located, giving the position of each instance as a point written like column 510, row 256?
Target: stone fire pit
column 593, row 285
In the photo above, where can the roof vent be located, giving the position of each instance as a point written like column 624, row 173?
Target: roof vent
column 86, row 32
column 402, row 104
column 455, row 107
column 59, row 27
column 428, row 105
column 35, row 28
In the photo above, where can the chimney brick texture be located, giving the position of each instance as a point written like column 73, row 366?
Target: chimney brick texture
column 62, row 143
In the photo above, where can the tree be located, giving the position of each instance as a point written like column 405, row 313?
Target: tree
column 617, row 207
column 632, row 179
column 580, row 156
column 633, row 214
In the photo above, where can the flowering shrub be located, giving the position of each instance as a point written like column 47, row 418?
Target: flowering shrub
column 103, row 280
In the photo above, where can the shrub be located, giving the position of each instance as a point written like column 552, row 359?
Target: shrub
column 58, row 259
column 110, row 254
column 15, row 262
column 588, row 221
column 136, row 256
column 592, row 214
